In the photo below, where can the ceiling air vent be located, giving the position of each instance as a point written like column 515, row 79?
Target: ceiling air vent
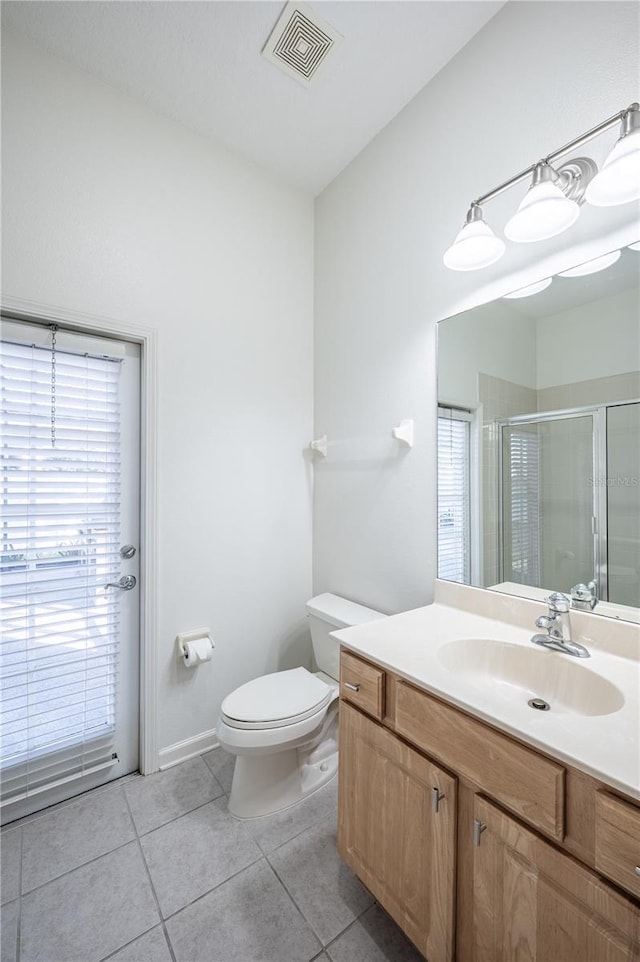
column 300, row 42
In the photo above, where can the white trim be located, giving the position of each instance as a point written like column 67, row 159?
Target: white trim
column 146, row 337
column 39, row 335
column 189, row 748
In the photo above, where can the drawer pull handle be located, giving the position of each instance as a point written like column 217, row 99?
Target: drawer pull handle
column 637, row 870
column 351, row 687
column 436, row 798
column 478, row 829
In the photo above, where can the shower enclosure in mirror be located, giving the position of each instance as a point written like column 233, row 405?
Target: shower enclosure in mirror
column 539, row 441
column 555, row 528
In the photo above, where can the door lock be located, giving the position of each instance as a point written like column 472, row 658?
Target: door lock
column 127, row 551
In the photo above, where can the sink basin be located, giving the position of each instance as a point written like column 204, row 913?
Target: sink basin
column 518, row 673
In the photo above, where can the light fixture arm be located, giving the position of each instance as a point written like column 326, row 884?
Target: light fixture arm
column 629, row 118
column 552, row 203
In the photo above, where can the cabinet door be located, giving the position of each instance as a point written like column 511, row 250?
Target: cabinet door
column 534, row 903
column 396, row 830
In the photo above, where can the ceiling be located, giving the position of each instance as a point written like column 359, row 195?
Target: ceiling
column 200, row 63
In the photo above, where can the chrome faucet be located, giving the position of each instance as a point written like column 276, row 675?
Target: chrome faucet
column 584, row 597
column 558, row 628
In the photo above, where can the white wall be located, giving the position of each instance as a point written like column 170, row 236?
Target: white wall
column 492, row 338
column 598, row 339
column 537, row 75
column 111, row 209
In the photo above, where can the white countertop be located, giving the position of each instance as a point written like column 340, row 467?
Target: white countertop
column 606, row 746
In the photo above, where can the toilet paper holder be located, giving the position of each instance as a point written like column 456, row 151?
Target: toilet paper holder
column 191, row 636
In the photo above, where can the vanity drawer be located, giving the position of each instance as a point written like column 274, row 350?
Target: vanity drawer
column 527, row 783
column 618, row 841
column 362, row 684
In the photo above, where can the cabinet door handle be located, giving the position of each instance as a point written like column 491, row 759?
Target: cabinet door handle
column 436, row 798
column 351, row 687
column 478, row 829
column 637, row 869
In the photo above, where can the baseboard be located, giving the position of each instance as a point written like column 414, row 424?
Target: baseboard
column 189, row 748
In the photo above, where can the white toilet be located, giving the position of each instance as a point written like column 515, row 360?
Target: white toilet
column 283, row 727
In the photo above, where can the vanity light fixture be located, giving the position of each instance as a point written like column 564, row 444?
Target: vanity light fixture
column 635, row 247
column 593, row 266
column 529, row 290
column 552, row 203
column 545, row 211
column 475, row 246
column 619, row 180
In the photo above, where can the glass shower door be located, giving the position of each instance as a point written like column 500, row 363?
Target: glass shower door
column 548, row 528
column 623, row 503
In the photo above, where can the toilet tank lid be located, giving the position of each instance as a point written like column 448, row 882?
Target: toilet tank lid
column 339, row 611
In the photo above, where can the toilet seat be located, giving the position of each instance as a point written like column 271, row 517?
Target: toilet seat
column 277, row 700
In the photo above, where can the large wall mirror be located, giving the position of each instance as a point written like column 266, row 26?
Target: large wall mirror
column 539, row 440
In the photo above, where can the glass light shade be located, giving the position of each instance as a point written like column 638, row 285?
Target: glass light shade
column 635, row 247
column 619, row 180
column 475, row 246
column 593, row 266
column 544, row 212
column 530, row 289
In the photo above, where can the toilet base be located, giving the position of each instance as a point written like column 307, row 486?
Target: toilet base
column 266, row 784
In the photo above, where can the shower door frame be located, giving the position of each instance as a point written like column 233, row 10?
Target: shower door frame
column 598, row 413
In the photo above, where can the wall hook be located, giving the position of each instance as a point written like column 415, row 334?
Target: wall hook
column 320, row 445
column 404, row 432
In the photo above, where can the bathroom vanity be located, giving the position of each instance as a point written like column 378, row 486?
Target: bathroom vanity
column 491, row 831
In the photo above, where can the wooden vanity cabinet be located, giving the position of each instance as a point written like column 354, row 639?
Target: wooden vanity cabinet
column 397, row 830
column 517, row 862
column 532, row 902
column 617, row 841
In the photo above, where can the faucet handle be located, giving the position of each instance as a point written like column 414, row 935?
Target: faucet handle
column 544, row 621
column 558, row 602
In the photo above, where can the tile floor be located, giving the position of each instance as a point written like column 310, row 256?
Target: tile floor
column 155, row 869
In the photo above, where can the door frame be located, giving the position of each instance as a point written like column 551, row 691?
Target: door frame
column 40, row 313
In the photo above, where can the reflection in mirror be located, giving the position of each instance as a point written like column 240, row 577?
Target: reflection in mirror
column 539, row 441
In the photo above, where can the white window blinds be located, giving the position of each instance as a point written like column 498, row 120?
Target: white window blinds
column 59, row 547
column 522, row 476
column 454, row 550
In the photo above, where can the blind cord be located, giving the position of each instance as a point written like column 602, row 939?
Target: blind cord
column 53, row 328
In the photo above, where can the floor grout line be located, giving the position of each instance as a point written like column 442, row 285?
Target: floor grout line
column 127, row 944
column 174, row 818
column 308, row 827
column 26, row 820
column 299, row 910
column 304, row 829
column 203, row 895
column 152, row 886
column 262, row 856
column 69, row 871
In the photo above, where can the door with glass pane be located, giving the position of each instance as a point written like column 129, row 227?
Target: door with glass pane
column 69, row 598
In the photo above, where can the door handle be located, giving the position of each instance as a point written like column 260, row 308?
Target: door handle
column 126, row 583
column 478, row 829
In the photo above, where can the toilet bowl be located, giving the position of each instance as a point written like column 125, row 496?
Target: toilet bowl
column 283, row 727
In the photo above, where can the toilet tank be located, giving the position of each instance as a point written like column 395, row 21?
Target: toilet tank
column 327, row 613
